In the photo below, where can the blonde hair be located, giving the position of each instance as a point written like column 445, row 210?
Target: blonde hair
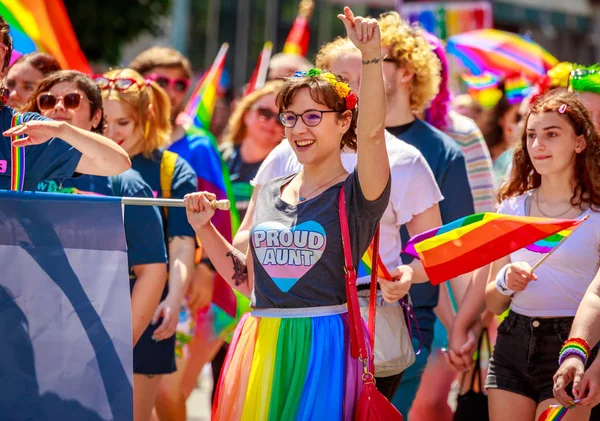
column 408, row 46
column 150, row 105
column 332, row 50
column 236, row 129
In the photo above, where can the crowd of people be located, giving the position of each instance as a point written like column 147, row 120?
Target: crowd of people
column 310, row 139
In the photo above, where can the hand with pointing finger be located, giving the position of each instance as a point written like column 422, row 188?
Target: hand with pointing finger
column 363, row 32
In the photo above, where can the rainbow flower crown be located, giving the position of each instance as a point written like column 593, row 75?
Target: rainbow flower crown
column 341, row 88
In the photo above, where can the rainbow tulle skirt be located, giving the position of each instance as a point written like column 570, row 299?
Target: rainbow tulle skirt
column 290, row 364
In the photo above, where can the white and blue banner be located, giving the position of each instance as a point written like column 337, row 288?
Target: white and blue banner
column 65, row 310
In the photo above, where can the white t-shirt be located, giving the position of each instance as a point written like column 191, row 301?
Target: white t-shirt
column 565, row 276
column 414, row 188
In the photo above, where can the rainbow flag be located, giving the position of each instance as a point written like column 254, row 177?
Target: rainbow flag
column 259, row 76
column 516, row 89
column 365, row 267
column 553, row 413
column 44, row 25
column 297, row 41
column 483, row 81
column 477, row 240
column 201, row 105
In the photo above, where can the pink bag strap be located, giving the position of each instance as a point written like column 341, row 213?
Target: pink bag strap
column 357, row 339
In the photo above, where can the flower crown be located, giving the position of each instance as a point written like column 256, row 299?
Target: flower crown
column 341, row 88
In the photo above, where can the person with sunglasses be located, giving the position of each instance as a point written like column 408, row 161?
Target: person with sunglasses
column 53, row 149
column 138, row 118
column 73, row 97
column 295, row 340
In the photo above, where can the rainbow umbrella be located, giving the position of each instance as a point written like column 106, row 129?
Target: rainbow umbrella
column 500, row 53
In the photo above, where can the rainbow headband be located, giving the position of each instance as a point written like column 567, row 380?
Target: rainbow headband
column 341, row 88
column 17, row 159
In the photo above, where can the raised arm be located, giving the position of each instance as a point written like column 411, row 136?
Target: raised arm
column 100, row 155
column 373, row 176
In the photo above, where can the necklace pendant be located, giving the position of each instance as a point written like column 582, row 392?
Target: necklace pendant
column 302, row 199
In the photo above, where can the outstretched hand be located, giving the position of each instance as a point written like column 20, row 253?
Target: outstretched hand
column 363, row 32
column 35, row 132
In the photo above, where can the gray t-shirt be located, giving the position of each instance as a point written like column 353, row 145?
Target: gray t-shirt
column 297, row 250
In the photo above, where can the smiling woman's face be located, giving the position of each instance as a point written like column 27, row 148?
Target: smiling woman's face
column 121, row 126
column 79, row 116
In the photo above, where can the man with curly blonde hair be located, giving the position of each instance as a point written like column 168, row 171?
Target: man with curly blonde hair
column 412, row 79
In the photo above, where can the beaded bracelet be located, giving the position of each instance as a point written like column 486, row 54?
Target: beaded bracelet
column 577, row 347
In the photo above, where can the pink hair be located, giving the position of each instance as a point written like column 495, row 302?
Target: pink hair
column 437, row 113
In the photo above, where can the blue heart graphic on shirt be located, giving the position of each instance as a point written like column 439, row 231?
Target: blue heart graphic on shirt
column 287, row 253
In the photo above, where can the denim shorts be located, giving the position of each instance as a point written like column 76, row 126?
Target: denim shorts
column 525, row 357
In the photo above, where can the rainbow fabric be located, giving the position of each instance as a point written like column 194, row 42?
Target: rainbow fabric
column 259, row 76
column 501, row 53
column 553, row 413
column 365, row 267
column 483, row 81
column 295, row 368
column 545, row 245
column 17, row 159
column 477, row 240
column 44, row 25
column 516, row 89
column 201, row 105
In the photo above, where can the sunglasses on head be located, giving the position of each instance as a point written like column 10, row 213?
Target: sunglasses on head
column 119, row 83
column 71, row 101
column 266, row 114
column 179, row 84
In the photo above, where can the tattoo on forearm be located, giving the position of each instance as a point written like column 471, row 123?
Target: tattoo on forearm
column 240, row 270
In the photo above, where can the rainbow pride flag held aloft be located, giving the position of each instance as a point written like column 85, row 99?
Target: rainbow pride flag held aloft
column 297, row 41
column 477, row 240
column 201, row 105
column 44, row 25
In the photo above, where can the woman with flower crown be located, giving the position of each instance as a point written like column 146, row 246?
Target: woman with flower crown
column 289, row 358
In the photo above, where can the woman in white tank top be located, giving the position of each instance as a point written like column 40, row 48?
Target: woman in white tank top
column 556, row 174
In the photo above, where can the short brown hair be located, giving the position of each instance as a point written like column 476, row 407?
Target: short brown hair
column 83, row 82
column 236, row 129
column 523, row 176
column 323, row 92
column 6, row 40
column 44, row 63
column 161, row 57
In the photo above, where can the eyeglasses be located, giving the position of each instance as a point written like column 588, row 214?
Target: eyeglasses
column 71, row 101
column 264, row 114
column 311, row 118
column 119, row 83
column 180, row 84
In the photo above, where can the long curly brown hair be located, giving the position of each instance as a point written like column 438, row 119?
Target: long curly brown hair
column 524, row 177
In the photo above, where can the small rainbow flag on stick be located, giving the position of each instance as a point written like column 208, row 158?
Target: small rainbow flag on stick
column 365, row 267
column 553, row 413
column 477, row 240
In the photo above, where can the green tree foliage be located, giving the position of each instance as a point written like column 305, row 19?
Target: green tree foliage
column 104, row 26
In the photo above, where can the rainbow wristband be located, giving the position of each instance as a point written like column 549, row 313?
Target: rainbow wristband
column 577, row 347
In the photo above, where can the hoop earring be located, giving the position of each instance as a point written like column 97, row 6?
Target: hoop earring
column 147, row 129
